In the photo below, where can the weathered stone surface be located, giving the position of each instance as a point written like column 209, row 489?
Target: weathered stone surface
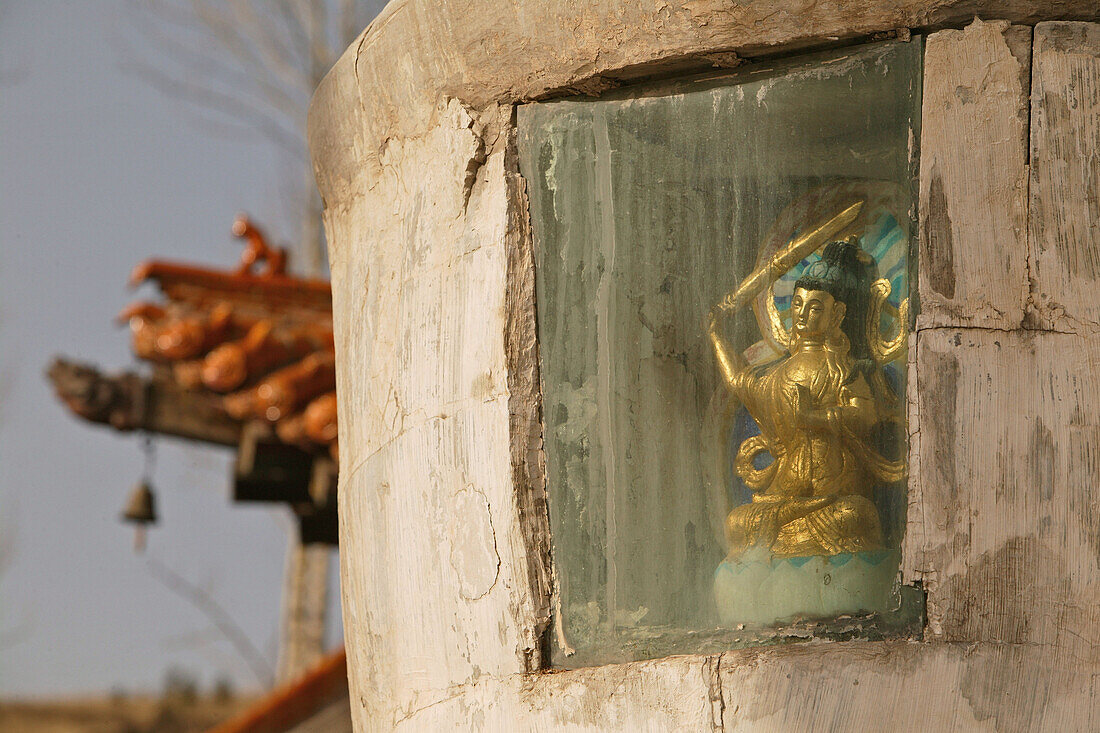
column 440, row 415
column 803, row 687
column 435, row 566
column 1065, row 176
column 418, row 53
column 973, row 177
column 898, row 686
column 666, row 695
column 1003, row 527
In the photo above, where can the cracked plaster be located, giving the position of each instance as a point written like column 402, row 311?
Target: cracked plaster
column 474, row 667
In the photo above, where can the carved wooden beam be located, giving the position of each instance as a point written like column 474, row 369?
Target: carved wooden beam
column 129, row 401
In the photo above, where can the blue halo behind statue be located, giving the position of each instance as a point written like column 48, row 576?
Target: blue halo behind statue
column 885, row 240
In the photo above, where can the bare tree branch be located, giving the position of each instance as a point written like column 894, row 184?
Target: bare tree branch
column 217, row 102
column 349, row 26
column 205, row 603
column 193, row 639
column 262, row 66
column 254, row 63
column 194, row 58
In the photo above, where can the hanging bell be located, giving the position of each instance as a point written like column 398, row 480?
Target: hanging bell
column 141, row 510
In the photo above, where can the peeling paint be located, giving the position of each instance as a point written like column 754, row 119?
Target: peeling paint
column 940, row 247
column 473, row 554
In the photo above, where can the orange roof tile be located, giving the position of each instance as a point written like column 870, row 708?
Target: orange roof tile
column 291, row 704
column 259, row 338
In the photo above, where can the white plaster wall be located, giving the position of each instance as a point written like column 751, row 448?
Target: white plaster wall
column 442, row 544
column 434, row 586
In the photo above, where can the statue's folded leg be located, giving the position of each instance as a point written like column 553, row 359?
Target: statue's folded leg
column 749, row 525
column 848, row 524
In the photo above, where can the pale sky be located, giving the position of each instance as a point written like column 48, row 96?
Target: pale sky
column 99, row 171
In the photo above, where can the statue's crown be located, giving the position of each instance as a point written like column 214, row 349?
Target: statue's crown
column 844, row 271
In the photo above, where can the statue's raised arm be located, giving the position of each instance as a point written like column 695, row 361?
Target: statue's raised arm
column 729, row 361
column 822, row 408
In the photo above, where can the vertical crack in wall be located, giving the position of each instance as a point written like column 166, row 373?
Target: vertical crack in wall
column 1031, row 309
column 712, row 672
column 473, row 167
column 525, row 421
column 355, row 70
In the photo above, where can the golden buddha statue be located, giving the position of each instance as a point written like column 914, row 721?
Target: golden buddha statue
column 821, row 407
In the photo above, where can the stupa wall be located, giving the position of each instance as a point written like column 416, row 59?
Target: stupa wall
column 446, row 576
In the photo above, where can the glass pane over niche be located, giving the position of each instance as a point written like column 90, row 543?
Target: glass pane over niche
column 722, row 284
